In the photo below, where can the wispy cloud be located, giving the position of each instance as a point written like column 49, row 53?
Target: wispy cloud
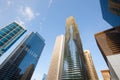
column 50, row 3
column 28, row 13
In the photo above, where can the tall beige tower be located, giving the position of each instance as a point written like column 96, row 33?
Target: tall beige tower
column 90, row 65
column 55, row 68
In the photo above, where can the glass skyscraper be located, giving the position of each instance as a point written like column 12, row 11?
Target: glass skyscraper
column 74, row 64
column 9, row 35
column 22, row 61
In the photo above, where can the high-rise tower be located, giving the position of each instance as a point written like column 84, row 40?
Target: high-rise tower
column 9, row 35
column 55, row 69
column 74, row 64
column 22, row 61
column 90, row 66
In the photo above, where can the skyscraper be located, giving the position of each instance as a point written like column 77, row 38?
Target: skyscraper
column 111, row 11
column 106, row 74
column 9, row 35
column 108, row 42
column 74, row 64
column 54, row 72
column 22, row 61
column 90, row 65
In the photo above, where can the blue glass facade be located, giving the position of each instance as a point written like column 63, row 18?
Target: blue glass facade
column 9, row 35
column 111, row 18
column 22, row 62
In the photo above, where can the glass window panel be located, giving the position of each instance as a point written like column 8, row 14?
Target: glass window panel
column 4, row 40
column 11, row 34
column 1, row 43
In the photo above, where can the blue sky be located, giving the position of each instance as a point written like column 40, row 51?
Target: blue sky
column 48, row 17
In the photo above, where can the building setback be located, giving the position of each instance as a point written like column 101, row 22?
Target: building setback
column 9, row 35
column 22, row 61
column 109, row 44
column 74, row 64
column 90, row 65
column 54, row 71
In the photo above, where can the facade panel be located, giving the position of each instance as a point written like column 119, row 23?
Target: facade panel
column 114, row 66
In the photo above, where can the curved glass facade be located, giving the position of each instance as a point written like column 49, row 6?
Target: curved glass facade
column 22, row 62
column 74, row 65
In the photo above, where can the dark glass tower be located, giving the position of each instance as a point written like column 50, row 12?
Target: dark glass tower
column 74, row 64
column 9, row 35
column 22, row 62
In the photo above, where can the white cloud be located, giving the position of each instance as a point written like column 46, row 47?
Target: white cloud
column 50, row 2
column 9, row 3
column 28, row 13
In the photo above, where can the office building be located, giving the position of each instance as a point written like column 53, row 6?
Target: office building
column 108, row 42
column 106, row 74
column 22, row 61
column 74, row 64
column 111, row 11
column 9, row 35
column 90, row 65
column 54, row 71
